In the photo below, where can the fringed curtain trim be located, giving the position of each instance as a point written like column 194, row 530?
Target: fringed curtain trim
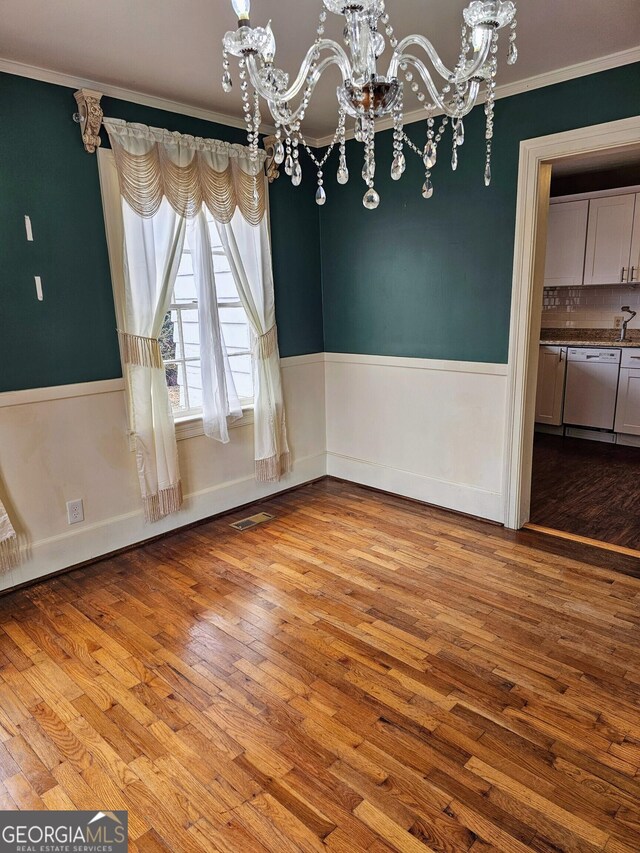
column 151, row 175
column 137, row 349
column 163, row 503
column 9, row 550
column 272, row 469
column 265, row 345
column 9, row 553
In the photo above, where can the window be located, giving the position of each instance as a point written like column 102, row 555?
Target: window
column 180, row 337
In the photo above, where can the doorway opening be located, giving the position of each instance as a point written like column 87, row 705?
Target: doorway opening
column 573, row 438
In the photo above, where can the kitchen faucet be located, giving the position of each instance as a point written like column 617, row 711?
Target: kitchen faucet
column 625, row 323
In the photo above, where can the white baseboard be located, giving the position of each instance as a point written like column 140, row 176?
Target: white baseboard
column 442, row 493
column 48, row 556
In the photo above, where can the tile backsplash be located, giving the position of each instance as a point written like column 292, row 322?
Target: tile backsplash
column 588, row 307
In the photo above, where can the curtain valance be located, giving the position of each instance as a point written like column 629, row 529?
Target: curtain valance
column 188, row 171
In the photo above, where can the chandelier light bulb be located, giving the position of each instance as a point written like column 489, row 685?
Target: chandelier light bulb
column 367, row 92
column 477, row 36
column 242, row 8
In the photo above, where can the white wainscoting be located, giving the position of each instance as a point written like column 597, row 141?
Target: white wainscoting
column 71, row 442
column 427, row 429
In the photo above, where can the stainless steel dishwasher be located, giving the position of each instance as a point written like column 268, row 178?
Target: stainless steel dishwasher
column 592, row 387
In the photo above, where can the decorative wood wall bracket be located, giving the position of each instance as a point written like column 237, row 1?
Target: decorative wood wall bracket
column 89, row 117
column 270, row 166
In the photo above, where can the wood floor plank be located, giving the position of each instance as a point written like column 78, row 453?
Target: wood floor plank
column 362, row 673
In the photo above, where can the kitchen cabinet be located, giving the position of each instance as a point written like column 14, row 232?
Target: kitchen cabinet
column 628, row 407
column 566, row 239
column 614, row 225
column 552, row 367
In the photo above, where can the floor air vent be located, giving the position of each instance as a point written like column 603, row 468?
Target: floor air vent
column 252, row 521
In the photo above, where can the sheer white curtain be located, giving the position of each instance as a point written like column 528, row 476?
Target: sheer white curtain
column 220, row 402
column 249, row 253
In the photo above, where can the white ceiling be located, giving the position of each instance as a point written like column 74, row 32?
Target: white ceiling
column 172, row 48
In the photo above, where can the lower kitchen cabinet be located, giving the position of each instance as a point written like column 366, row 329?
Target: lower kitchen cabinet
column 552, row 368
column 628, row 407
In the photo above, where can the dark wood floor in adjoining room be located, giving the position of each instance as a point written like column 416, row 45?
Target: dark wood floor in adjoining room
column 362, row 673
column 587, row 488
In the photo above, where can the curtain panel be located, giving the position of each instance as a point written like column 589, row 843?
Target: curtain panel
column 165, row 181
column 249, row 254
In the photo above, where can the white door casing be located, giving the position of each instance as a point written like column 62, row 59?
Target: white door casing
column 536, row 156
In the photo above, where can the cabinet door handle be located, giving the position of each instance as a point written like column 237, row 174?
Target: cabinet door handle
column 622, row 274
column 633, row 274
column 635, row 357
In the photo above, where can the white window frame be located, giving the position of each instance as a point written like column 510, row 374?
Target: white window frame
column 188, row 423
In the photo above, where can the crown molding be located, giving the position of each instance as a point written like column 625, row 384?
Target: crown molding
column 549, row 78
column 71, row 81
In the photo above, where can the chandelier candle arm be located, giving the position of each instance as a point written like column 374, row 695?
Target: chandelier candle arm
column 365, row 94
column 270, row 94
column 458, row 75
column 464, row 106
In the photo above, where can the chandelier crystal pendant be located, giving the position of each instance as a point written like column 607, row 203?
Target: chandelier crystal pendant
column 365, row 95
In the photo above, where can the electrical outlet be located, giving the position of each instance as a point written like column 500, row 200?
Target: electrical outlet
column 75, row 511
column 617, row 321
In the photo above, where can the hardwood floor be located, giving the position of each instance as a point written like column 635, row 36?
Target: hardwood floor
column 362, row 673
column 587, row 488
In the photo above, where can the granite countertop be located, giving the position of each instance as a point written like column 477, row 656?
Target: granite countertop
column 589, row 337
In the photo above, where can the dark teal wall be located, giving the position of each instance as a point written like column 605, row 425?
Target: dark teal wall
column 432, row 278
column 45, row 173
column 414, row 278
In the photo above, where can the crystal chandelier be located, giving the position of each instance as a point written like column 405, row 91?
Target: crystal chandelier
column 365, row 95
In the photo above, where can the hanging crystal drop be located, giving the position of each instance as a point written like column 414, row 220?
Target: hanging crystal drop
column 343, row 172
column 487, row 174
column 454, row 158
column 427, row 188
column 430, row 155
column 359, row 130
column 512, row 55
column 296, row 175
column 278, row 152
column 369, row 169
column 227, row 82
column 459, row 132
column 398, row 166
column 371, row 199
column 288, row 165
column 321, row 195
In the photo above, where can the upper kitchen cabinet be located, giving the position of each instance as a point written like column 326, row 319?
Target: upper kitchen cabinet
column 634, row 269
column 610, row 234
column 566, row 238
